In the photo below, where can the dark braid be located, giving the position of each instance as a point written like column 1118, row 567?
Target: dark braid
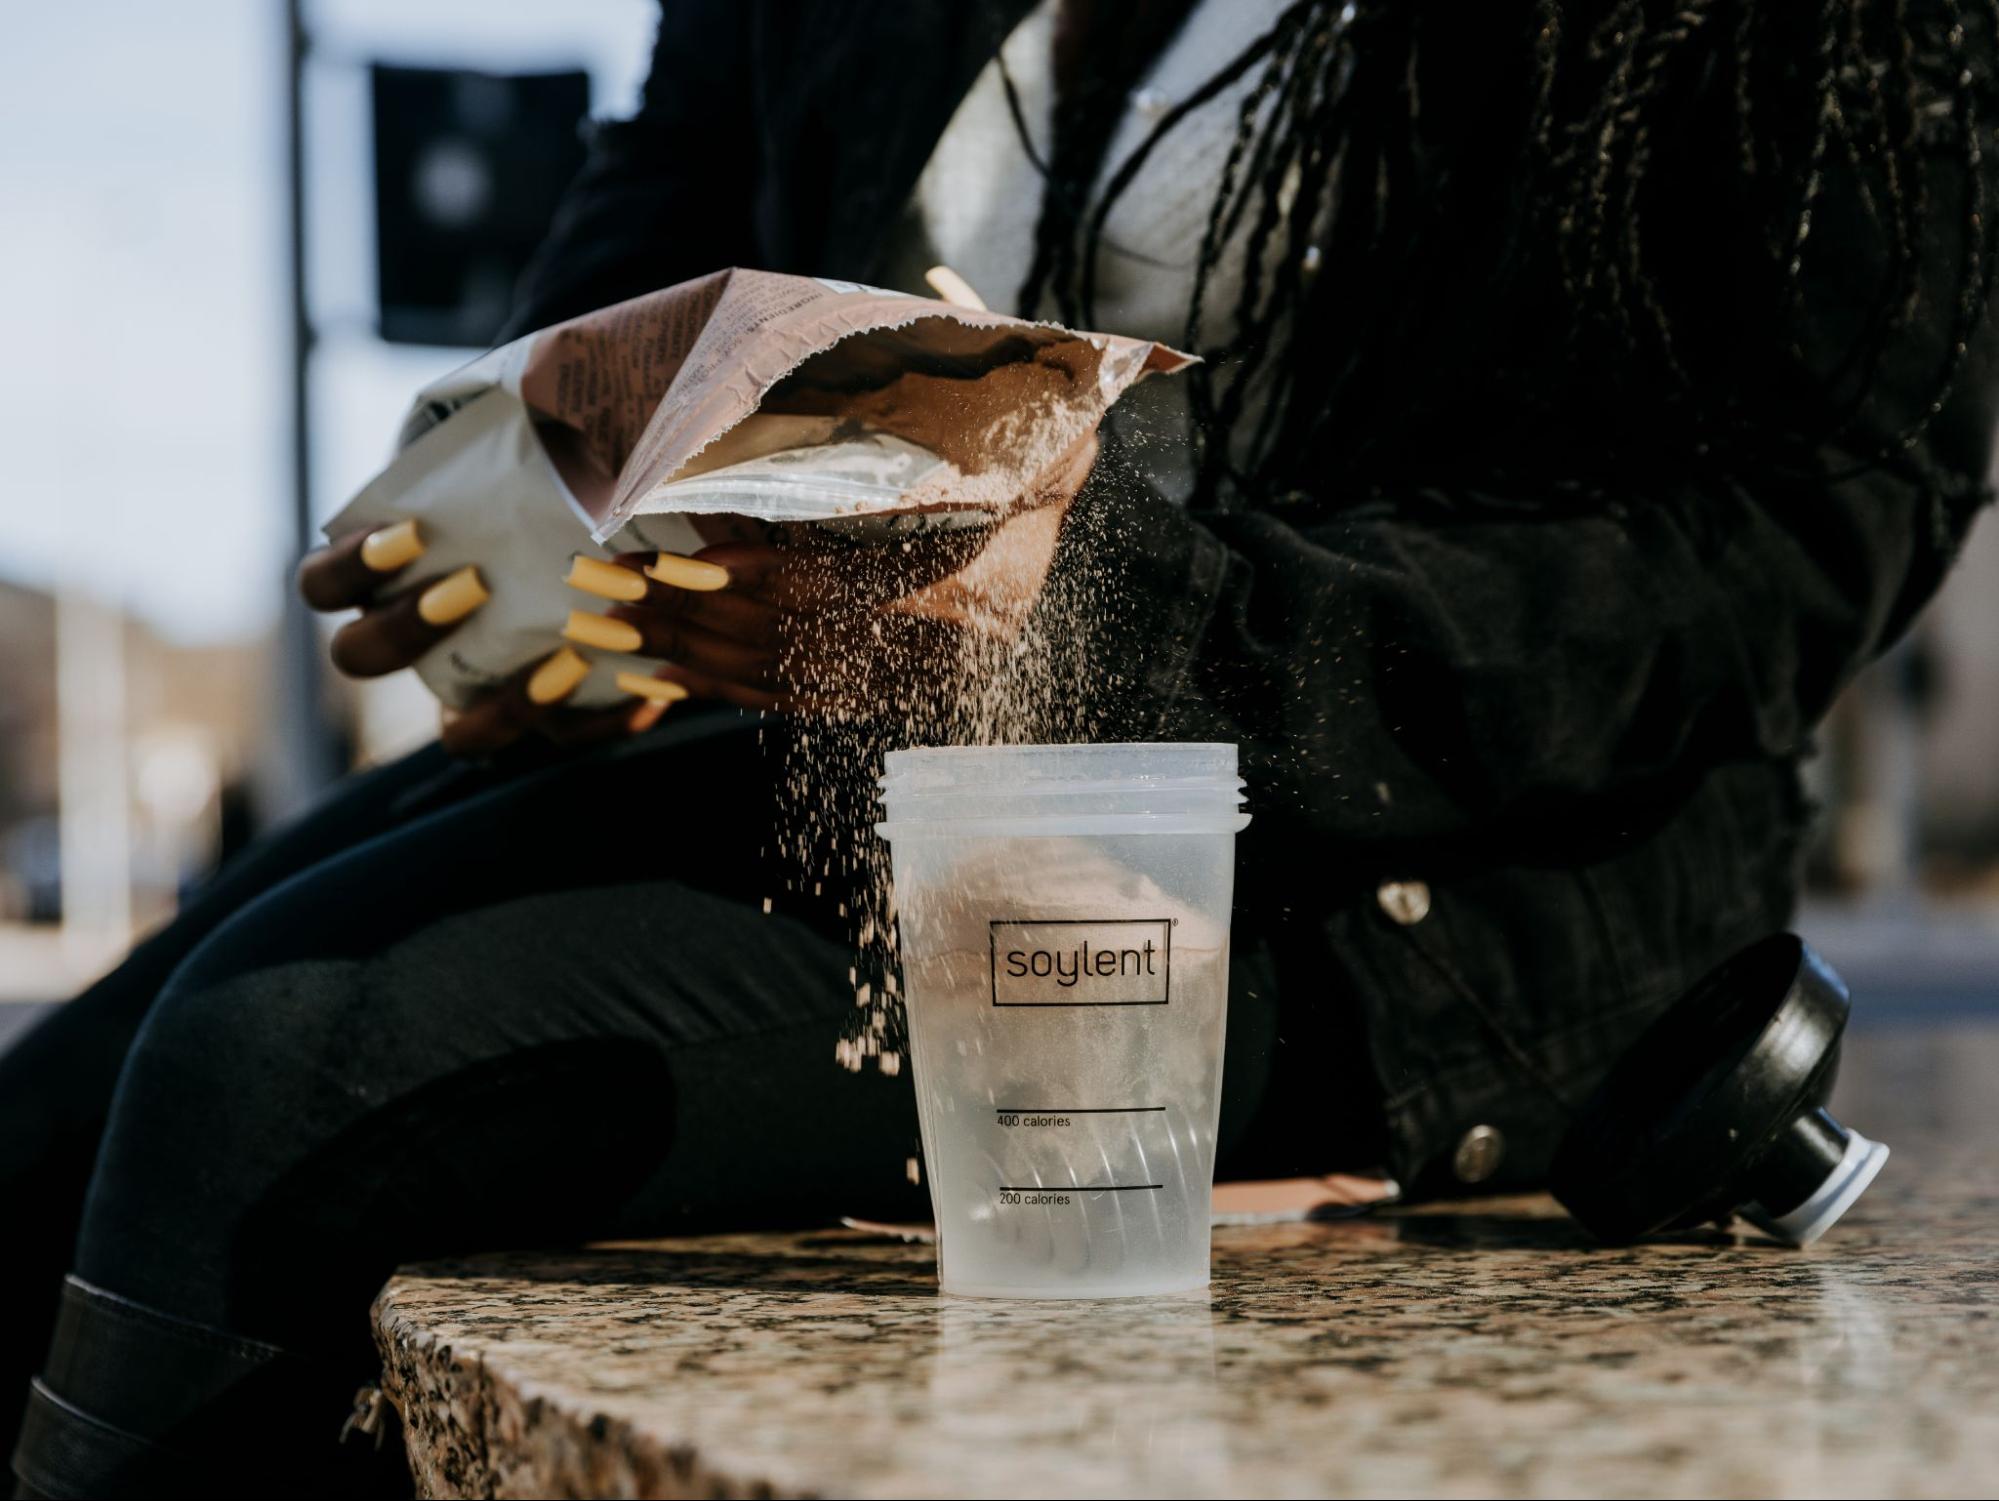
column 1976, row 289
column 1895, row 210
column 1553, row 188
column 1295, row 132
column 1225, row 216
column 1826, row 88
column 1315, row 111
column 1287, row 285
column 1653, row 85
column 1598, row 146
column 1101, row 50
column 1122, row 179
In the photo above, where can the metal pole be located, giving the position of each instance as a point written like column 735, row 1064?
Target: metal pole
column 306, row 743
column 301, row 338
column 93, row 776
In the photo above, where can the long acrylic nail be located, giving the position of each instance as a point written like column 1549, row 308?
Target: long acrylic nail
column 557, row 678
column 392, row 547
column 605, row 580
column 602, row 632
column 659, row 690
column 453, row 597
column 688, row 573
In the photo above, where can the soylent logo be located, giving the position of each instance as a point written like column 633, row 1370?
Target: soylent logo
column 1082, row 961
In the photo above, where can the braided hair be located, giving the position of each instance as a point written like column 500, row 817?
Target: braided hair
column 1427, row 193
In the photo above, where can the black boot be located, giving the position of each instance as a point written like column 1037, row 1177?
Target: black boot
column 135, row 1402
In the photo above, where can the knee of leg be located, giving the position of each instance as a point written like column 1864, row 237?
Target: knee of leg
column 280, row 926
column 242, row 1049
column 220, row 1086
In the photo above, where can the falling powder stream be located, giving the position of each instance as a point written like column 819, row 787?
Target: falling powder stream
column 1016, row 670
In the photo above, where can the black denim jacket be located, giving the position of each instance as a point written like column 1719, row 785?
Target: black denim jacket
column 1520, row 773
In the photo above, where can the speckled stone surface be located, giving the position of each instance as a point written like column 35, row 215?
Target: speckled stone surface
column 1483, row 1348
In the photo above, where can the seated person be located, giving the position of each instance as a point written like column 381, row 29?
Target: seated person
column 1591, row 390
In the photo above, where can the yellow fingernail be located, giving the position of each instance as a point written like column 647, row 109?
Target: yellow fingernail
column 392, row 547
column 687, row 573
column 602, row 631
column 605, row 580
column 558, row 676
column 659, row 690
column 453, row 597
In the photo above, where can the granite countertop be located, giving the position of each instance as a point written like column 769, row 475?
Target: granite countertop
column 1486, row 1347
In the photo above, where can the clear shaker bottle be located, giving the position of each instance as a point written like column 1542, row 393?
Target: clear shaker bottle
column 1063, row 914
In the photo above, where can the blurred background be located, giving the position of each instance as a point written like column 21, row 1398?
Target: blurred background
column 252, row 229
column 241, row 232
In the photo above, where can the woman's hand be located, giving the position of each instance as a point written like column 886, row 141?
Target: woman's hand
column 387, row 636
column 769, row 618
column 802, row 620
column 390, row 633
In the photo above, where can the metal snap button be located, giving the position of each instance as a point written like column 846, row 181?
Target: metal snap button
column 1480, row 1151
column 1406, row 902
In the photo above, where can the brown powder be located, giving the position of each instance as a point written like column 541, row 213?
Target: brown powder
column 997, row 429
column 1030, row 685
column 1001, row 417
column 1020, row 673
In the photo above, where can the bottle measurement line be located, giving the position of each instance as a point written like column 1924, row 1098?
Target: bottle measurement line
column 1078, row 1188
column 1078, row 1110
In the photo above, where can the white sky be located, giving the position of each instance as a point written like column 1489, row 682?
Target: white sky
column 143, row 376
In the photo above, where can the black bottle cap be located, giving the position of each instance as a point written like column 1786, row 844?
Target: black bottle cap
column 1718, row 1109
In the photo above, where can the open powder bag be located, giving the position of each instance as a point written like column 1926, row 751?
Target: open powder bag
column 684, row 416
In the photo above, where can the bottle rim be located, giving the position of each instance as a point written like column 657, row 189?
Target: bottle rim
column 1061, row 768
column 1111, row 787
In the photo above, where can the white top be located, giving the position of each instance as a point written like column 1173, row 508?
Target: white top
column 977, row 202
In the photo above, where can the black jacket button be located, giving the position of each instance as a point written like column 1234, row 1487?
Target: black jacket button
column 1480, row 1151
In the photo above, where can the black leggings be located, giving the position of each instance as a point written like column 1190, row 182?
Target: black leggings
column 461, row 1008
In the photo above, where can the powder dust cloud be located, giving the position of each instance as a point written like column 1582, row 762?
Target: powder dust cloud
column 997, row 656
